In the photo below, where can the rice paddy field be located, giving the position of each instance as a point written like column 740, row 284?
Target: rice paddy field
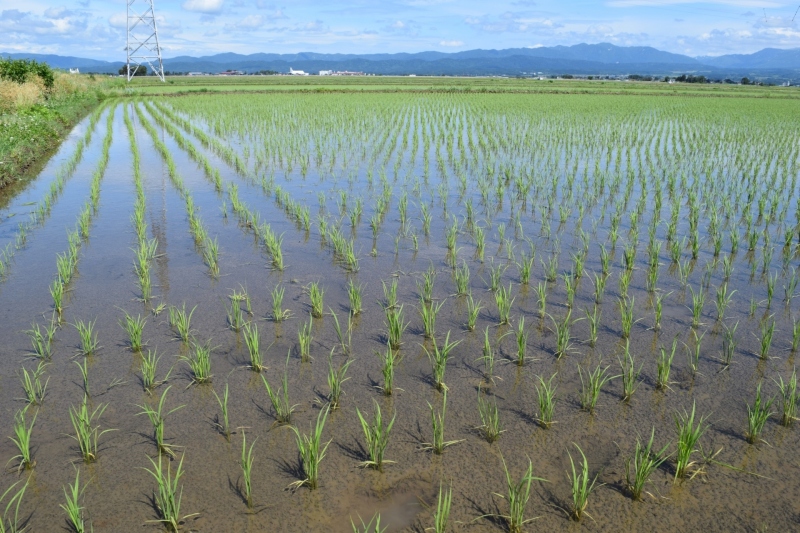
column 406, row 311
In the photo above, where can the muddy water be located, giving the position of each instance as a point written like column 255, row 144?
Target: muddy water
column 748, row 488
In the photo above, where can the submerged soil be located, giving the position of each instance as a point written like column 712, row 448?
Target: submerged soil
column 740, row 486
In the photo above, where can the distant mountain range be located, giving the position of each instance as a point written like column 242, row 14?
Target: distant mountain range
column 582, row 59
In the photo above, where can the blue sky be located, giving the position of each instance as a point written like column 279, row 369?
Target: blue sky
column 96, row 28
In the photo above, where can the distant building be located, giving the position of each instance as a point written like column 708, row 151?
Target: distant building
column 346, row 73
column 325, row 72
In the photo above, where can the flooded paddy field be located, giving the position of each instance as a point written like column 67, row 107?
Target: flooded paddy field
column 575, row 309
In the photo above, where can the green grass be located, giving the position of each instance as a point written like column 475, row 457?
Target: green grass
column 376, row 436
column 312, row 451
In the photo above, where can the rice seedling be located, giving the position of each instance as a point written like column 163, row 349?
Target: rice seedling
column 563, row 336
column 278, row 313
column 771, row 280
column 518, row 494
column 354, row 293
column 280, row 398
column 625, row 277
column 630, row 374
column 315, row 295
column 251, row 340
column 64, row 266
column 728, row 344
column 336, row 377
column 551, row 268
column 626, row 316
column 664, row 365
column 22, row 439
column 134, row 327
column 181, row 321
column 569, row 288
column 148, row 369
column 89, row 343
column 235, row 316
column 722, row 300
column 438, row 358
column 438, row 444
column 35, row 390
column 428, row 315
column 199, row 362
column 593, row 319
column 73, row 506
column 157, row 418
column 57, row 293
column 541, row 298
column 789, row 398
column 591, row 387
column 304, row 339
column 373, row 526
column 689, row 433
column 390, row 294
column 395, row 326
column 490, row 427
column 246, row 463
column 582, row 485
column 87, row 432
column 441, row 515
column 84, row 369
column 641, row 465
column 10, row 523
column 312, row 451
column 521, row 337
column 698, row 300
column 757, row 415
column 795, row 334
column 694, row 355
column 168, row 496
column 767, row 332
column 426, row 286
column 504, row 301
column 753, row 306
column 605, row 260
column 376, row 435
column 41, row 342
column 461, row 278
column 546, row 398
column 495, row 276
column 473, row 310
column 223, row 423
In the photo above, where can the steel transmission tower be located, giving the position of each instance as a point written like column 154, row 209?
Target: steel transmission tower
column 142, row 44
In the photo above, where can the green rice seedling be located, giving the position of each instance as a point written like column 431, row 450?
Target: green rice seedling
column 441, row 515
column 426, row 287
column 753, row 306
column 521, row 337
column 518, row 493
column 771, row 280
column 640, row 467
column 84, row 369
column 428, row 315
column 605, row 260
column 315, row 295
column 35, row 390
column 57, row 293
column 563, row 336
column 591, row 387
column 10, row 523
column 376, row 435
column 223, row 423
column 473, row 310
column 373, row 526
column 312, row 452
column 246, row 462
column 625, row 277
column 304, row 340
column 387, row 370
column 569, row 288
column 599, row 287
column 630, row 374
column 684, row 269
column 664, row 366
column 495, row 276
column 157, row 418
column 790, row 289
column 22, row 439
column 278, row 313
column 280, row 398
column 134, row 327
column 723, row 299
column 41, row 342
column 438, row 358
column 698, row 300
column 461, row 279
column 87, row 432
column 181, row 321
column 546, row 398
column 390, row 294
column 789, row 398
column 148, row 369
column 504, row 301
column 251, row 339
column 89, row 344
column 626, row 316
column 167, row 497
column 525, row 267
column 395, row 326
column 689, row 433
column 64, row 266
column 235, row 316
column 541, row 298
column 211, row 255
column 354, row 293
column 336, row 377
column 451, row 235
column 767, row 332
column 582, row 485
column 490, row 427
column 729, row 344
column 199, row 362
column 629, row 256
column 73, row 506
column 551, row 268
column 795, row 334
column 757, row 415
column 438, row 444
column 594, row 322
column 658, row 309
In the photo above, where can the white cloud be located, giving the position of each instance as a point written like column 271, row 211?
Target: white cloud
column 118, row 20
column 203, row 6
column 451, row 43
